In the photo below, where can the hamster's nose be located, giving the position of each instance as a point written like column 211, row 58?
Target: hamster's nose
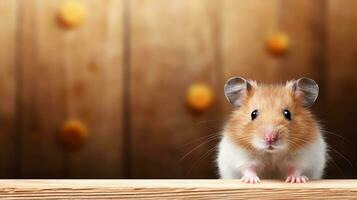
column 271, row 137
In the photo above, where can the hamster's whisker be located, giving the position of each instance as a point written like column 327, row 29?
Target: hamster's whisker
column 250, row 149
column 198, row 146
column 242, row 137
column 338, row 167
column 343, row 157
column 216, row 133
column 202, row 157
column 294, row 145
column 337, row 135
column 300, row 139
column 208, row 121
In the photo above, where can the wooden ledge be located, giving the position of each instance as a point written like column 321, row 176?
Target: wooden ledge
column 175, row 189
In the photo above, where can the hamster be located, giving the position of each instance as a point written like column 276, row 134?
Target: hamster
column 271, row 134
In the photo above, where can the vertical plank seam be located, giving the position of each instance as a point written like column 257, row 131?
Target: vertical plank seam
column 18, row 123
column 219, row 60
column 218, row 69
column 323, row 61
column 218, row 52
column 66, row 158
column 126, row 117
column 279, row 7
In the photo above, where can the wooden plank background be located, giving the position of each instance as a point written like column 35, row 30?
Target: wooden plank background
column 243, row 51
column 125, row 71
column 42, row 92
column 77, row 75
column 8, row 33
column 94, row 89
column 163, row 64
column 175, row 189
column 341, row 79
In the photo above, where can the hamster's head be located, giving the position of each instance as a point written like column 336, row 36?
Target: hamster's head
column 271, row 118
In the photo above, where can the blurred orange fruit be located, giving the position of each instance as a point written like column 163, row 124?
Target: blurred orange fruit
column 199, row 97
column 72, row 14
column 278, row 44
column 73, row 134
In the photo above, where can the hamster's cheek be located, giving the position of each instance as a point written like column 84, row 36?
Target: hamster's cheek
column 258, row 143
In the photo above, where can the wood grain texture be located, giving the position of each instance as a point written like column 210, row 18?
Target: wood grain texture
column 306, row 31
column 71, row 74
column 341, row 49
column 173, row 45
column 42, row 90
column 94, row 89
column 8, row 21
column 175, row 189
column 246, row 25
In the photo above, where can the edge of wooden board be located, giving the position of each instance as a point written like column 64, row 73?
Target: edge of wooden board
column 176, row 183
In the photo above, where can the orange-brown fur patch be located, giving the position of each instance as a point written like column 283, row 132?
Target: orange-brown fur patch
column 271, row 101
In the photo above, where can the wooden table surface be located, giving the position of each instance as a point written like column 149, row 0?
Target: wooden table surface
column 174, row 189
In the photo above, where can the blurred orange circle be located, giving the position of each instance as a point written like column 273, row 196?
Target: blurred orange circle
column 199, row 97
column 73, row 134
column 278, row 44
column 72, row 14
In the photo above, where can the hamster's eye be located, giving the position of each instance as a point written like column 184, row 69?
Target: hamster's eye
column 287, row 114
column 254, row 114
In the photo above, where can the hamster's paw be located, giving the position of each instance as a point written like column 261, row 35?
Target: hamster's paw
column 296, row 179
column 250, row 179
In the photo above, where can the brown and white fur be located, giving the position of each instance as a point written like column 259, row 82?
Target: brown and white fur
column 273, row 145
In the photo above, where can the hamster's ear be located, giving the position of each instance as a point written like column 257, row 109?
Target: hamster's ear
column 307, row 89
column 235, row 89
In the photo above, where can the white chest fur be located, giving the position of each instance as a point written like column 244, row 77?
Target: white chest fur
column 232, row 160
